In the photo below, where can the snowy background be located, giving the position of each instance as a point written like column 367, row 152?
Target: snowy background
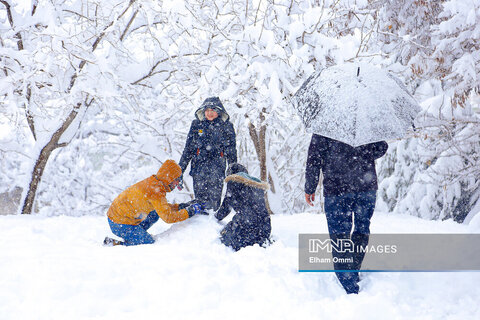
column 96, row 94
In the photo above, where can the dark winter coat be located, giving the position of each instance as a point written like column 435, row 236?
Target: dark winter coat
column 346, row 169
column 210, row 144
column 251, row 223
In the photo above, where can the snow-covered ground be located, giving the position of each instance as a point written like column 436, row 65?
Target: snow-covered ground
column 56, row 268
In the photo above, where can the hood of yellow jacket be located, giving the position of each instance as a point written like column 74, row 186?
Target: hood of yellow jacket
column 168, row 172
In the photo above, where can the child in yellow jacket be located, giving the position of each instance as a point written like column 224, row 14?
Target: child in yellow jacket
column 137, row 208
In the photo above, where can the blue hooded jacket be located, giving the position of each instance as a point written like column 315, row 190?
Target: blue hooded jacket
column 210, row 144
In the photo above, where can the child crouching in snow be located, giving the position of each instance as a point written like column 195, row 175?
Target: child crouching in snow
column 251, row 223
column 137, row 208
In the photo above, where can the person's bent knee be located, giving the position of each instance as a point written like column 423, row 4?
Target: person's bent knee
column 136, row 242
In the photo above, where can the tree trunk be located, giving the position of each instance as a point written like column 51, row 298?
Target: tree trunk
column 42, row 160
column 259, row 142
column 53, row 144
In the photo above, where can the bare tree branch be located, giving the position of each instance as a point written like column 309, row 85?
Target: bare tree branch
column 128, row 25
column 10, row 20
column 152, row 70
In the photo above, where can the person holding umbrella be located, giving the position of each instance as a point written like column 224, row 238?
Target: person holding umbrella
column 351, row 109
column 349, row 188
column 210, row 145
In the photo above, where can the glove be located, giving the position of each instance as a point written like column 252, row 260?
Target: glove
column 196, row 208
column 180, row 183
column 185, row 205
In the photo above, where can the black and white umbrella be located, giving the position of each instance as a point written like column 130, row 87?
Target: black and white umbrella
column 356, row 104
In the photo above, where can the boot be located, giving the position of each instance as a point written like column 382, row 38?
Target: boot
column 109, row 242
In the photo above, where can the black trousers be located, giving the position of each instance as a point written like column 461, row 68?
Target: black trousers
column 208, row 189
column 339, row 211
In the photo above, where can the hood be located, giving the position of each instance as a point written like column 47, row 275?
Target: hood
column 168, row 172
column 236, row 168
column 215, row 104
column 248, row 180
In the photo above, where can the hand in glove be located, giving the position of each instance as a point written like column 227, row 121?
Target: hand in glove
column 185, row 205
column 196, row 208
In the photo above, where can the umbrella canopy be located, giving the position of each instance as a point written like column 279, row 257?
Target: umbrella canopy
column 355, row 104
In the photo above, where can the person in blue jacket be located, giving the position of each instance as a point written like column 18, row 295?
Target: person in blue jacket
column 349, row 188
column 210, row 146
column 246, row 195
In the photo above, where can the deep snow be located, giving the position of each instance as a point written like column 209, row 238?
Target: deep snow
column 56, row 268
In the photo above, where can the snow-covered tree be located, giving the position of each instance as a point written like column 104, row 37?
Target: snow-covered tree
column 99, row 93
column 100, row 90
column 435, row 175
column 67, row 63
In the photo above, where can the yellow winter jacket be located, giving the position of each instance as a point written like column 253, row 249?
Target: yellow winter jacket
column 134, row 204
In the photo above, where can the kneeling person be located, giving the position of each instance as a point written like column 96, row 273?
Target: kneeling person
column 137, row 208
column 246, row 195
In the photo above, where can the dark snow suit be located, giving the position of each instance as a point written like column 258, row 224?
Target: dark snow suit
column 209, row 146
column 251, row 223
column 349, row 187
